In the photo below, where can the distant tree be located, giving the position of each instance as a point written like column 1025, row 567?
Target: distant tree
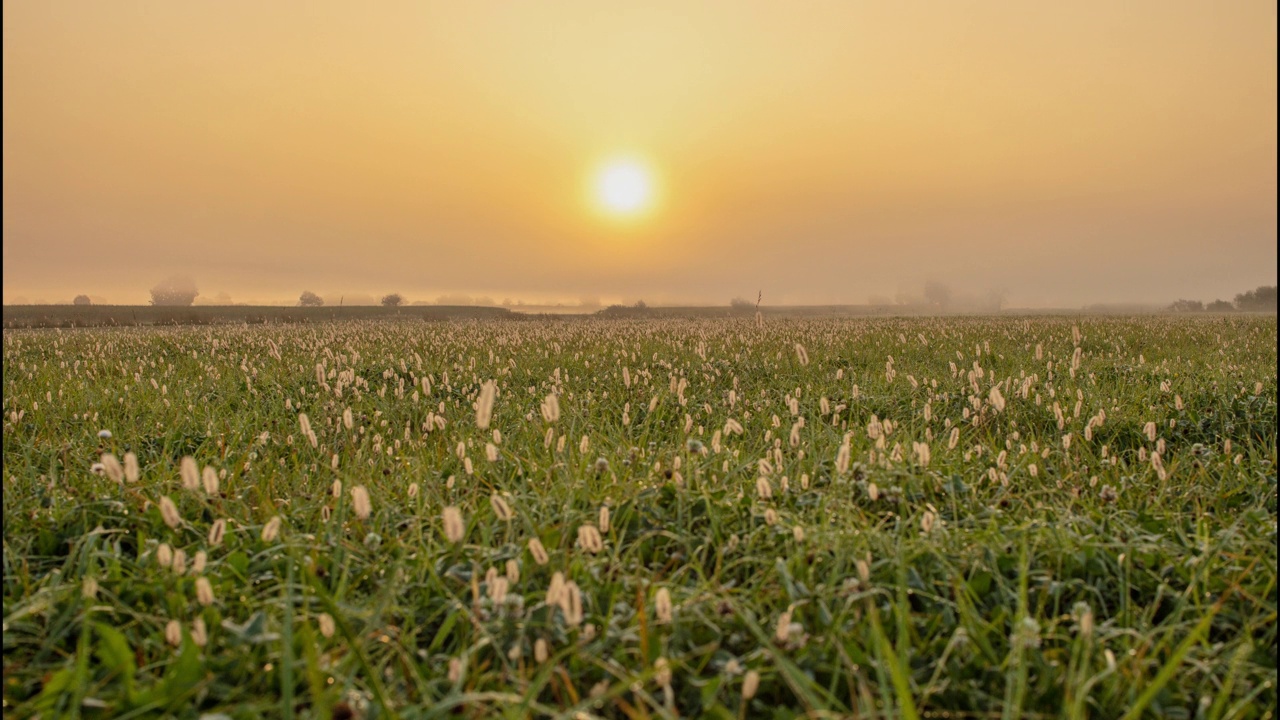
column 177, row 290
column 392, row 300
column 641, row 305
column 1187, row 306
column 310, row 299
column 1219, row 306
column 82, row 300
column 1261, row 298
column 935, row 293
column 741, row 306
column 995, row 300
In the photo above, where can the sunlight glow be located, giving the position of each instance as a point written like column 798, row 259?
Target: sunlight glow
column 624, row 187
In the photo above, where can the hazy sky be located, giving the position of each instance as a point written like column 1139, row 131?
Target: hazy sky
column 1065, row 153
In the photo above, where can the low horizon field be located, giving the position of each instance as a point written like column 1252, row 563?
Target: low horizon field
column 728, row 517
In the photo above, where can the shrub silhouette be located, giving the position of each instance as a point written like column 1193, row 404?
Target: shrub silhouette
column 178, row 290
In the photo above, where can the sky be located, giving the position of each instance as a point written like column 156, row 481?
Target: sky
column 1054, row 154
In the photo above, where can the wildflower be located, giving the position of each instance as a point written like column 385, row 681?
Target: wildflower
column 204, row 591
column 454, row 528
column 604, row 518
column 104, row 434
column 169, row 512
column 360, row 502
column 164, row 555
column 327, row 626
column 1084, row 619
column 498, row 589
column 763, row 489
column 173, row 633
column 922, row 452
column 513, row 572
column 801, row 354
column 179, row 564
column 750, row 684
column 1150, row 430
column 782, row 631
column 572, row 605
column 662, row 604
column 601, row 464
column 1026, row 634
column 271, row 530
column 455, row 670
column 662, row 672
column 199, row 632
column 873, row 491
column 798, row 533
column 589, row 539
column 131, row 467
column 1108, row 494
column 538, row 552
column 209, row 478
column 190, row 473
column 996, row 398
column 491, row 452
column 98, row 469
column 843, row 457
column 111, row 466
column 484, row 405
column 198, row 563
column 551, row 407
column 928, row 520
column 770, row 516
column 216, row 531
column 500, row 507
column 540, row 650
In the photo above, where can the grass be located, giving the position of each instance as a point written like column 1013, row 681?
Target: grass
column 1013, row 574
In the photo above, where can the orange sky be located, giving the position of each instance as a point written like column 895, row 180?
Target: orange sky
column 1062, row 153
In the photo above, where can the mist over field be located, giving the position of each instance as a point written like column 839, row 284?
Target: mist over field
column 1060, row 155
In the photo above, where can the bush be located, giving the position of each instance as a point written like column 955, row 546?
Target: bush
column 392, row 300
column 82, row 300
column 310, row 299
column 177, row 290
column 1261, row 298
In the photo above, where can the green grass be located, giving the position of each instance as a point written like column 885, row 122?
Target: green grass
column 1050, row 581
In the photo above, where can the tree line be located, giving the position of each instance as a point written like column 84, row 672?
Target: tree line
column 1260, row 299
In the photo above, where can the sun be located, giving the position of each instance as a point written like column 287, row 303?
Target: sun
column 624, row 187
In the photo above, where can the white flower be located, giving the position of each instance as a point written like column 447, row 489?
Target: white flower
column 750, row 684
column 538, row 552
column 204, row 591
column 454, row 528
column 662, row 605
column 271, row 530
column 169, row 512
column 173, row 633
column 360, row 502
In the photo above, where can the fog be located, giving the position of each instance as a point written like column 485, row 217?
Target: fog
column 1037, row 154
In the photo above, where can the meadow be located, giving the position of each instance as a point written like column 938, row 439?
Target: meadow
column 731, row 518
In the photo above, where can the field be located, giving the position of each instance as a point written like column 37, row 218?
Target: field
column 877, row 518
